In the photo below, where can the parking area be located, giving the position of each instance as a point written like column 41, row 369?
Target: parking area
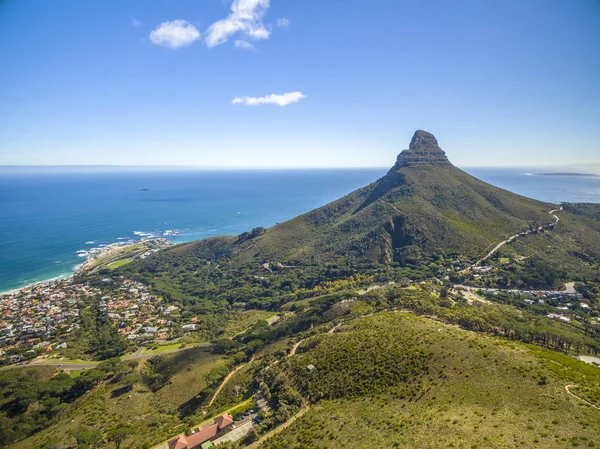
column 236, row 434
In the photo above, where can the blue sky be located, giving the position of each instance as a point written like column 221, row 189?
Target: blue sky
column 202, row 82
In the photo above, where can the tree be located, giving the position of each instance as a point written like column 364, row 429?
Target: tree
column 283, row 413
column 118, row 434
column 444, row 292
column 88, row 438
column 223, row 345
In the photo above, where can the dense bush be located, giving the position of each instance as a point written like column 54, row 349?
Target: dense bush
column 354, row 363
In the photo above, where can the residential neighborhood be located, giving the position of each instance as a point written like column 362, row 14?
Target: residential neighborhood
column 39, row 318
column 42, row 318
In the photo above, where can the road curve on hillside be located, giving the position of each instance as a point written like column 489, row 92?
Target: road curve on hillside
column 514, row 237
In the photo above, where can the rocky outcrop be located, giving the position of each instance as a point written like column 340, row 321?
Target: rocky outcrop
column 423, row 149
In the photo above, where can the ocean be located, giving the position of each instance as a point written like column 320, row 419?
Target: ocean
column 51, row 217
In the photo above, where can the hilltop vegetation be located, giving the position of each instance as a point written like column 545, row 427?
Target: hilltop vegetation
column 34, row 398
column 352, row 364
column 477, row 391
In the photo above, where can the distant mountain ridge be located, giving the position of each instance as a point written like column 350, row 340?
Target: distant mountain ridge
column 423, row 208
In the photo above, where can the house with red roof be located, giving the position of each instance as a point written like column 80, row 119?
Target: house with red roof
column 201, row 436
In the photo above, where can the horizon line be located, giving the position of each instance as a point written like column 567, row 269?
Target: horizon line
column 234, row 167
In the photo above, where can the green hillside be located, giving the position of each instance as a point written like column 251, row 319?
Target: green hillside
column 422, row 209
column 466, row 390
column 379, row 376
column 153, row 399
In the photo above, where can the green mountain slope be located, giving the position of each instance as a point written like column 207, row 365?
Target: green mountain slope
column 448, row 388
column 422, row 209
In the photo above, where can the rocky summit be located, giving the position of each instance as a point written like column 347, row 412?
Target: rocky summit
column 423, row 149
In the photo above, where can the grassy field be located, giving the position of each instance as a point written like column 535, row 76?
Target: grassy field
column 119, row 263
column 74, row 373
column 243, row 320
column 116, row 257
column 154, row 416
column 191, row 368
column 479, row 392
column 62, row 360
column 170, row 347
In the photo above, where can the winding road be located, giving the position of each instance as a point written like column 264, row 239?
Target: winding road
column 504, row 242
column 514, row 237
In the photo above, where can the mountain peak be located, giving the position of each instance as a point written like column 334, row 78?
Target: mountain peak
column 423, row 140
column 423, row 149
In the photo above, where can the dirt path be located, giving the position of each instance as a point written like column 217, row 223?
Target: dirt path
column 392, row 206
column 567, row 387
column 295, row 347
column 278, row 429
column 224, row 382
column 333, row 329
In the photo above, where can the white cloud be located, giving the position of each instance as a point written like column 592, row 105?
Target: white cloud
column 283, row 22
column 175, row 34
column 246, row 18
column 281, row 100
column 242, row 44
column 136, row 23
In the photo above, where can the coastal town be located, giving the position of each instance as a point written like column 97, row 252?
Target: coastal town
column 39, row 318
column 42, row 319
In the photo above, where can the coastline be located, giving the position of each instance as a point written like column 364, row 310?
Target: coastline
column 61, row 277
column 231, row 217
column 90, row 256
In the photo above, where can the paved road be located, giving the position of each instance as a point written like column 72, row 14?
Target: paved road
column 589, row 359
column 514, row 237
column 240, row 431
column 139, row 355
column 468, row 293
